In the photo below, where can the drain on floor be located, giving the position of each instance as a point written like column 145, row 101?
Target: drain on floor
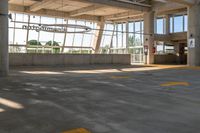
column 78, row 130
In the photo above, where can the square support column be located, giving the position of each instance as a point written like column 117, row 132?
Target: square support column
column 194, row 34
column 4, row 59
column 98, row 36
column 149, row 35
column 167, row 24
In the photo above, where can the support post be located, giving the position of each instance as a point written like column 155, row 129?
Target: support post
column 98, row 36
column 149, row 36
column 4, row 58
column 167, row 24
column 194, row 35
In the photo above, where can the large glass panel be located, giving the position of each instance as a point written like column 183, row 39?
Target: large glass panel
column 47, row 20
column 171, row 24
column 59, row 37
column 45, row 37
column 20, row 36
column 11, row 36
column 78, row 36
column 107, row 35
column 87, row 40
column 131, row 36
column 119, row 35
column 69, row 39
column 33, row 35
column 35, row 19
column 160, row 26
column 138, row 33
column 178, row 24
column 185, row 23
column 124, row 35
column 142, row 31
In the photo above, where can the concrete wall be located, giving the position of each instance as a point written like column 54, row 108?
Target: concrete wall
column 17, row 59
column 169, row 59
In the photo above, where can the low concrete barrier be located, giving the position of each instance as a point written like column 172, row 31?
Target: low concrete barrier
column 21, row 59
column 170, row 59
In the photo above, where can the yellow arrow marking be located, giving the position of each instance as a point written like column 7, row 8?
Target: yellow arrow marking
column 120, row 77
column 175, row 84
column 78, row 130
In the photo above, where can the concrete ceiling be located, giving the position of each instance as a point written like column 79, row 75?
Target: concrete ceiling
column 97, row 9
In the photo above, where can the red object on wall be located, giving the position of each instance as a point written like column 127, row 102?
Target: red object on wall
column 154, row 50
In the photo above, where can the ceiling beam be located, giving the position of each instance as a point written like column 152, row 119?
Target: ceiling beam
column 39, row 5
column 174, row 11
column 51, row 13
column 128, row 14
column 85, row 10
column 184, row 2
column 133, row 18
column 118, row 4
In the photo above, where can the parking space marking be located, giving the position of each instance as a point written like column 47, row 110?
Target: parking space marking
column 175, row 84
column 78, row 130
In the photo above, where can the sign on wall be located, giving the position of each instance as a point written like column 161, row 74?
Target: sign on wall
column 191, row 43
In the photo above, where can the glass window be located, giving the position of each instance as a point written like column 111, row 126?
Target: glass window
column 185, row 23
column 178, row 24
column 107, row 35
column 124, row 35
column 11, row 36
column 45, row 37
column 160, row 26
column 33, row 35
column 47, row 20
column 35, row 19
column 138, row 33
column 119, row 36
column 20, row 36
column 87, row 40
column 171, row 24
column 69, row 40
column 59, row 37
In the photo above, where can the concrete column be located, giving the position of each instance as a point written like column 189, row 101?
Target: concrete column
column 4, row 59
column 194, row 32
column 98, row 36
column 149, row 35
column 167, row 24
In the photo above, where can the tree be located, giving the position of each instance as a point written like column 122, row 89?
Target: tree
column 53, row 43
column 133, row 41
column 34, row 43
column 105, row 49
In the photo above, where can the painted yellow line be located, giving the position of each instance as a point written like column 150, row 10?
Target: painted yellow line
column 120, row 77
column 175, row 84
column 78, row 130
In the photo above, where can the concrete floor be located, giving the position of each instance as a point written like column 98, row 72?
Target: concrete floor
column 102, row 99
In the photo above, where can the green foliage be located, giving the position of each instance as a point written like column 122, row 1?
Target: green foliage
column 52, row 43
column 105, row 49
column 132, row 41
column 34, row 43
